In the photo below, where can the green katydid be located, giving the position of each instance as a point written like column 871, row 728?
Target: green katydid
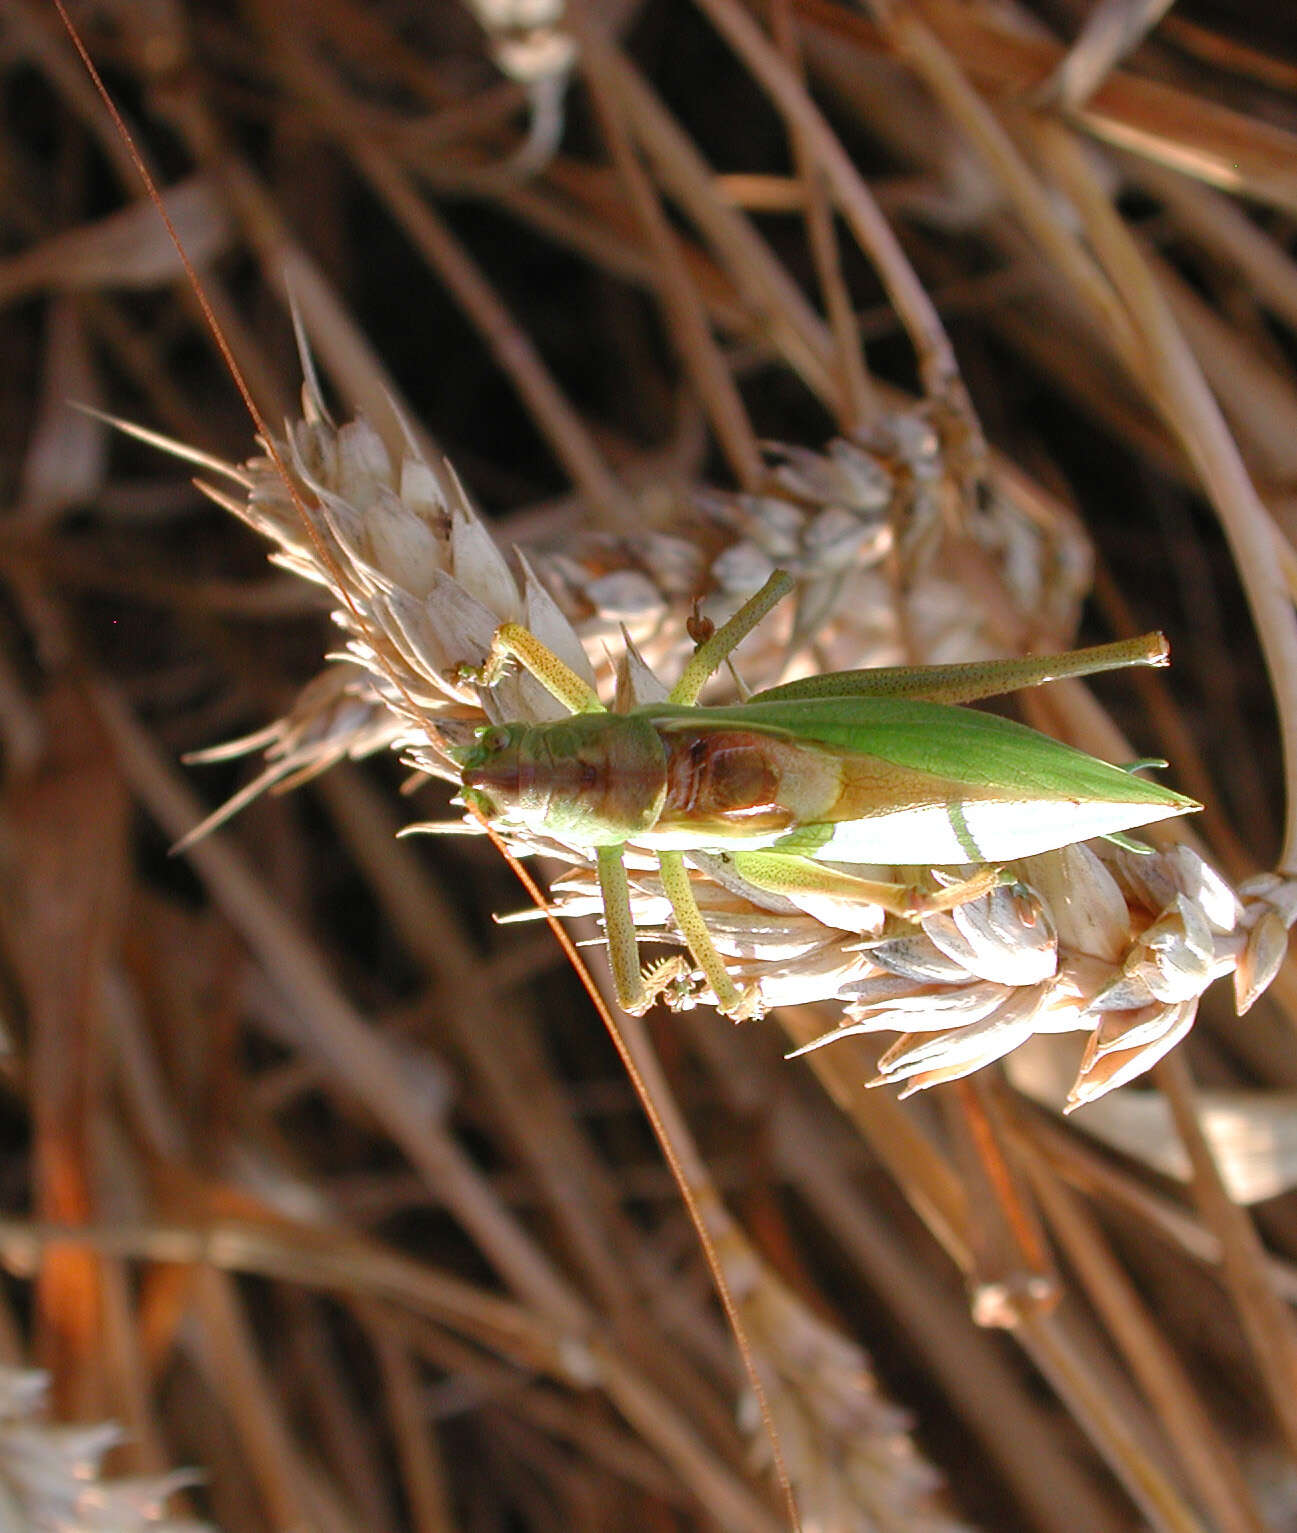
column 801, row 782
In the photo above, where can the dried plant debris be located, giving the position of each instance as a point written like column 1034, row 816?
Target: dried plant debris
column 319, row 1179
column 848, row 1452
column 51, row 1478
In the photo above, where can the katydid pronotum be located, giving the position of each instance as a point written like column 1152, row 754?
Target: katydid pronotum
column 802, row 783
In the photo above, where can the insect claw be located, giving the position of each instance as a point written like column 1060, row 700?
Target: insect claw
column 670, row 980
column 919, row 902
column 749, row 1008
column 488, row 673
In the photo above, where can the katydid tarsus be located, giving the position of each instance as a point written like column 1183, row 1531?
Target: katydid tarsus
column 802, row 783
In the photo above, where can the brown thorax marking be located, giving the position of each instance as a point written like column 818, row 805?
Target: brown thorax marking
column 739, row 779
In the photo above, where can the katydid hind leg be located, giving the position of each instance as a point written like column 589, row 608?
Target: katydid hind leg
column 970, row 682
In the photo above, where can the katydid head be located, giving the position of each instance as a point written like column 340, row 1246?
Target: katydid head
column 496, row 773
column 596, row 778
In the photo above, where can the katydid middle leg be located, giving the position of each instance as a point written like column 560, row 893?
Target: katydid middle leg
column 636, row 989
column 712, row 653
column 783, row 873
column 733, row 1001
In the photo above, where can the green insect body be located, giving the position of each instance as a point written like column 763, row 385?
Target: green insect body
column 859, row 768
column 853, row 779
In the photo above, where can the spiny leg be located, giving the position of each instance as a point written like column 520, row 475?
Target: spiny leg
column 636, row 989
column 511, row 641
column 780, row 873
column 619, row 927
column 979, row 678
column 733, row 1002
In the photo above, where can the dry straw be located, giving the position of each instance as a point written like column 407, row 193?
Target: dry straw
column 330, row 1187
